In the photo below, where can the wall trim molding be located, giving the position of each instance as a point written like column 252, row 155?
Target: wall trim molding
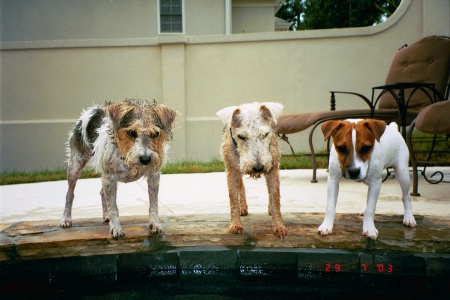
column 33, row 122
column 213, row 39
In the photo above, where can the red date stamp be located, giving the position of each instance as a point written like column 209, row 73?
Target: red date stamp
column 379, row 268
column 333, row 268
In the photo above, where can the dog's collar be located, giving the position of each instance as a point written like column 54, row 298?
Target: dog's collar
column 232, row 138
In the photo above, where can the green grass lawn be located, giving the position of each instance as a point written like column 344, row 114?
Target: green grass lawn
column 214, row 165
column 300, row 161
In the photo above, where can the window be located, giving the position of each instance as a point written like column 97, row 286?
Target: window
column 170, row 16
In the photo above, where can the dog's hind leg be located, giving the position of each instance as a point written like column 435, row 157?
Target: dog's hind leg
column 242, row 199
column 234, row 179
column 363, row 210
column 153, row 189
column 402, row 175
column 109, row 187
column 76, row 164
column 104, row 206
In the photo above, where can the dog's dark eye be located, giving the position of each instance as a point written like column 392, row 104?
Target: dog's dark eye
column 365, row 149
column 342, row 149
column 154, row 135
column 265, row 134
column 241, row 137
column 132, row 133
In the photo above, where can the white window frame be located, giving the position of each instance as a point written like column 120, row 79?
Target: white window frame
column 182, row 17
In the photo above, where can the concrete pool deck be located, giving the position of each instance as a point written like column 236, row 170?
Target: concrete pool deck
column 187, row 194
column 194, row 212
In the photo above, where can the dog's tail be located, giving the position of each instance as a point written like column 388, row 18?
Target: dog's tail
column 394, row 125
column 90, row 121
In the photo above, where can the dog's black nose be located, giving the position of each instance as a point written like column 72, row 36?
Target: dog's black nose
column 258, row 169
column 145, row 159
column 353, row 172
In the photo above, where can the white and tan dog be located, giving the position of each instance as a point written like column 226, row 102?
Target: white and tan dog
column 362, row 150
column 250, row 146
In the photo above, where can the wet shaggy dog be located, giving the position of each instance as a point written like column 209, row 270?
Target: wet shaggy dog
column 123, row 141
column 250, row 146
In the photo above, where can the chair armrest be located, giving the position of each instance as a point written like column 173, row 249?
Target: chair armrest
column 333, row 99
column 428, row 89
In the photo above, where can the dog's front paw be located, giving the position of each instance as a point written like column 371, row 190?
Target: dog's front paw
column 116, row 231
column 409, row 221
column 236, row 228
column 65, row 222
column 155, row 228
column 325, row 229
column 371, row 232
column 279, row 230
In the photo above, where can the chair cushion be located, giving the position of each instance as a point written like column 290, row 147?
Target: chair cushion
column 293, row 123
column 435, row 118
column 425, row 61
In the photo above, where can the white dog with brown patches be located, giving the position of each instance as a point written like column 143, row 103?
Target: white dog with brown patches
column 362, row 150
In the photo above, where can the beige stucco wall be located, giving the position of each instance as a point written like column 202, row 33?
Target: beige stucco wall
column 253, row 16
column 46, row 83
column 203, row 23
column 24, row 20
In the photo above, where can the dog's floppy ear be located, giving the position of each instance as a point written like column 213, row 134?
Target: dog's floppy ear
column 377, row 127
column 118, row 112
column 236, row 118
column 167, row 118
column 226, row 114
column 274, row 108
column 329, row 128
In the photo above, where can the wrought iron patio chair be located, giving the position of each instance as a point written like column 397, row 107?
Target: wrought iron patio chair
column 418, row 76
column 433, row 120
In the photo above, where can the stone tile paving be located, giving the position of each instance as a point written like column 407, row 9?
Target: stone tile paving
column 45, row 239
